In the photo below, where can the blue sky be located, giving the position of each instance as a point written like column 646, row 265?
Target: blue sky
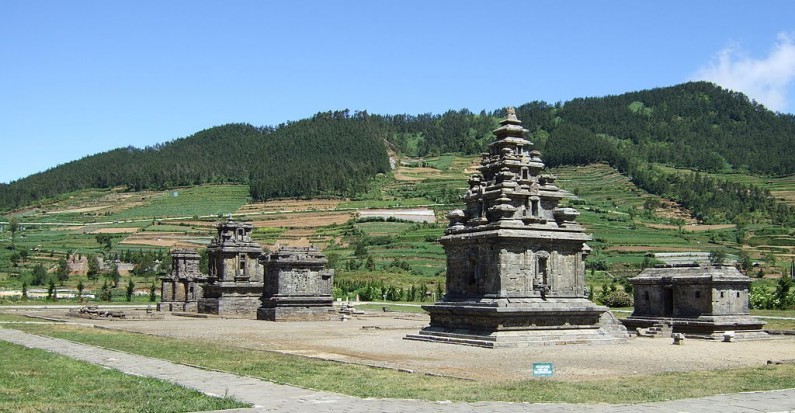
column 82, row 77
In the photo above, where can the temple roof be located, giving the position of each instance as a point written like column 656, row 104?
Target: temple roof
column 691, row 273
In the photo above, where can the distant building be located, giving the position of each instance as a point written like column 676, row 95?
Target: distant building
column 297, row 285
column 414, row 215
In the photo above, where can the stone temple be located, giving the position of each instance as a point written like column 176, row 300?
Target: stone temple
column 288, row 284
column 701, row 301
column 182, row 288
column 515, row 260
column 297, row 286
column 236, row 277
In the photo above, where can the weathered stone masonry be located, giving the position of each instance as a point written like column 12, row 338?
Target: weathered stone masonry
column 515, row 260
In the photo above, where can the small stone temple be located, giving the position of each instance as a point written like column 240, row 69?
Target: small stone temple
column 297, row 286
column 515, row 259
column 235, row 280
column 181, row 289
column 701, row 301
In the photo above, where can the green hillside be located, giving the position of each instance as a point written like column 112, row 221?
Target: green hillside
column 632, row 165
column 284, row 161
column 694, row 125
column 627, row 224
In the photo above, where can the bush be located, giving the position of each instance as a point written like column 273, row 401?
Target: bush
column 763, row 299
column 617, row 298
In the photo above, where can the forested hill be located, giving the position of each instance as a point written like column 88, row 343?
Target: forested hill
column 696, row 125
column 331, row 154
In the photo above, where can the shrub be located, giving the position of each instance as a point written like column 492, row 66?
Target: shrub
column 617, row 298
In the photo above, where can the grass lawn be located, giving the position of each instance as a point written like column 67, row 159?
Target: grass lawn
column 33, row 380
column 364, row 381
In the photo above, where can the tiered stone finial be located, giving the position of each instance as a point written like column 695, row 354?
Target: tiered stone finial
column 509, row 189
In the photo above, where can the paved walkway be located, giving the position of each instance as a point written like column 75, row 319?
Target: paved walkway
column 270, row 397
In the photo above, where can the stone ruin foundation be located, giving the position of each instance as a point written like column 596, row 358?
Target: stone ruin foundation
column 182, row 288
column 699, row 301
column 515, row 260
column 297, row 286
column 235, row 282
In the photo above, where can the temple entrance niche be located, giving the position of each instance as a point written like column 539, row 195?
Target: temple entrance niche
column 515, row 260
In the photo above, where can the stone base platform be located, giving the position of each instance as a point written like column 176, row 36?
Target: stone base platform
column 179, row 306
column 503, row 323
column 296, row 308
column 231, row 299
column 705, row 327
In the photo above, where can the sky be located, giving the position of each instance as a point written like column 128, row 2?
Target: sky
column 82, row 77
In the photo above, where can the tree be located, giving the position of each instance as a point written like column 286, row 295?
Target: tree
column 412, row 293
column 423, row 292
column 52, row 293
column 13, row 226
column 93, row 267
column 15, row 258
column 106, row 294
column 152, row 292
column 360, row 251
column 717, row 257
column 39, row 274
column 770, row 258
column 105, row 241
column 63, row 270
column 24, row 290
column 680, row 223
column 114, row 275
column 783, row 295
column 144, row 266
column 130, row 289
column 745, row 261
column 80, row 288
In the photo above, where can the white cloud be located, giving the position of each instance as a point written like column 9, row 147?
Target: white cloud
column 768, row 80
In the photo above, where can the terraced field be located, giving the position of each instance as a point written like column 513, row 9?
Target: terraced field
column 612, row 210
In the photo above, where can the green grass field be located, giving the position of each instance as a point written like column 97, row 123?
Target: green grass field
column 39, row 381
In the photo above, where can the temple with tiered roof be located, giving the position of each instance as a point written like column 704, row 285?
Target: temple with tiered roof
column 515, row 259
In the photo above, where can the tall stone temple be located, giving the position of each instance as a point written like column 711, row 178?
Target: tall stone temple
column 236, row 277
column 515, row 260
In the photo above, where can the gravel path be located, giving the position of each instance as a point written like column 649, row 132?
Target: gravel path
column 270, row 397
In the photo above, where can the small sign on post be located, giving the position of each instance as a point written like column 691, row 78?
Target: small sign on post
column 543, row 369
